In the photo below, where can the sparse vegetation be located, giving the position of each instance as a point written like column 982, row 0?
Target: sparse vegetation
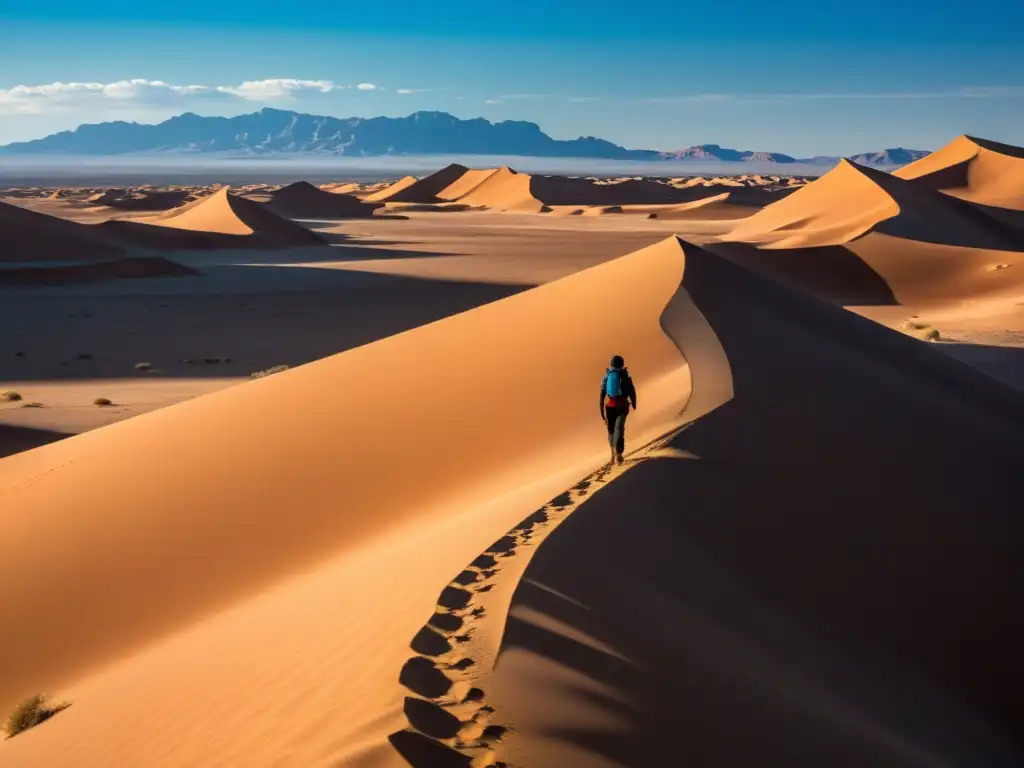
column 268, row 371
column 102, row 401
column 30, row 713
column 143, row 366
column 10, row 396
column 32, row 405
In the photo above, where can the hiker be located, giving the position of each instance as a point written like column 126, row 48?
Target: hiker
column 617, row 395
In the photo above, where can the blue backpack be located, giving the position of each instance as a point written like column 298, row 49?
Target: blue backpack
column 613, row 382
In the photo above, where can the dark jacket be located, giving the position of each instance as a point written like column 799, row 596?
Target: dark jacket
column 628, row 391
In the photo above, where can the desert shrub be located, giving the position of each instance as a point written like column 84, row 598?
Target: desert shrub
column 32, row 405
column 10, row 396
column 143, row 366
column 268, row 371
column 919, row 330
column 102, row 401
column 30, row 713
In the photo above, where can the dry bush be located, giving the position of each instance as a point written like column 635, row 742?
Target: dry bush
column 102, row 401
column 30, row 713
column 10, row 396
column 920, row 330
column 143, row 366
column 268, row 371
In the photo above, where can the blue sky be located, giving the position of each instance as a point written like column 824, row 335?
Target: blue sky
column 790, row 76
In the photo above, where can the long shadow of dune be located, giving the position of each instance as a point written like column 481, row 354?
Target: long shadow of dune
column 17, row 439
column 831, row 272
column 256, row 316
column 833, row 581
column 1003, row 363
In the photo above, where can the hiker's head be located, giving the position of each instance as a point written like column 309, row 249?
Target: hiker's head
column 618, row 362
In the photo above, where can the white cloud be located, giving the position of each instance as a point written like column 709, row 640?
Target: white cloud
column 61, row 97
column 279, row 88
column 494, row 101
column 408, row 91
column 583, row 99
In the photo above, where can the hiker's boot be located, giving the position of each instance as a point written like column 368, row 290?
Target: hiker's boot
column 618, row 458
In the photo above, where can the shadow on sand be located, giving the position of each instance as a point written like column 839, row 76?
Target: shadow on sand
column 833, row 581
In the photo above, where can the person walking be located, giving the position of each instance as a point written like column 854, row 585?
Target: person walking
column 617, row 395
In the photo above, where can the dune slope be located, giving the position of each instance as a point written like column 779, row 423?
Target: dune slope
column 251, row 524
column 852, row 200
column 977, row 170
column 820, row 572
column 28, row 236
column 225, row 214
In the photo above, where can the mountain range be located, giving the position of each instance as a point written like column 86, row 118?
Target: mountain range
column 275, row 131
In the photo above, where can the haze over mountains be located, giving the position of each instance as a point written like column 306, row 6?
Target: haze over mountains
column 274, row 131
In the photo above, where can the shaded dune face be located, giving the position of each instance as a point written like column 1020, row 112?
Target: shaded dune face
column 302, row 200
column 819, row 571
column 29, row 236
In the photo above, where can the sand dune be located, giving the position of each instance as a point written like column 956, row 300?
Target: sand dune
column 425, row 190
column 466, row 183
column 382, row 195
column 341, row 483
column 977, row 170
column 302, row 200
column 851, row 200
column 506, row 190
column 765, row 636
column 219, row 220
column 28, row 236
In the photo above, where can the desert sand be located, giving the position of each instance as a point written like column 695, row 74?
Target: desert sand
column 409, row 548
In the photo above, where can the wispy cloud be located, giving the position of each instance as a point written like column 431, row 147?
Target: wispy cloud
column 583, row 99
column 957, row 93
column 57, row 97
column 410, row 91
column 494, row 101
column 522, row 96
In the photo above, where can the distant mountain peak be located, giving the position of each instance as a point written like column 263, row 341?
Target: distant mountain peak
column 429, row 132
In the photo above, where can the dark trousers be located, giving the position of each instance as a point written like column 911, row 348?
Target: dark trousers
column 616, row 420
